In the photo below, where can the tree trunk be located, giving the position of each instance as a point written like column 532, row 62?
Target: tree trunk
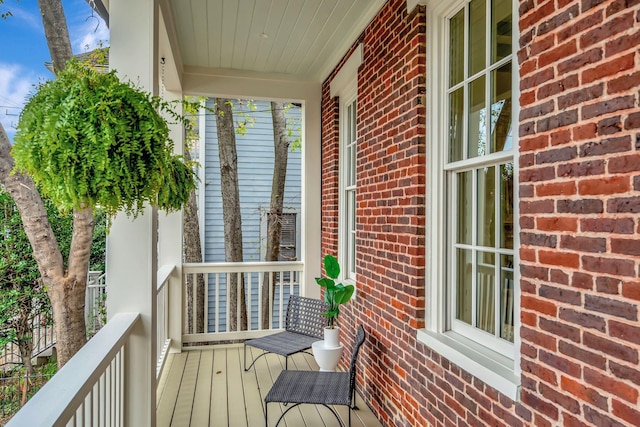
column 193, row 253
column 281, row 157
column 24, row 335
column 231, row 211
column 56, row 32
column 66, row 290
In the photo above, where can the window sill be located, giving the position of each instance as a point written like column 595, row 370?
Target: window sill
column 488, row 366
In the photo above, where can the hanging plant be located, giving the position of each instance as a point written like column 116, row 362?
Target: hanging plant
column 87, row 139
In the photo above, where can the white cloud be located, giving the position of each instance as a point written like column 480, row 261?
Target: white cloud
column 16, row 83
column 90, row 34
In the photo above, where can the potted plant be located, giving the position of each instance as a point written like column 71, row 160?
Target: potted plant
column 335, row 294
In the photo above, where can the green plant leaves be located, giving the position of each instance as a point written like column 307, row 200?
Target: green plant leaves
column 331, row 266
column 87, row 139
column 325, row 282
column 335, row 293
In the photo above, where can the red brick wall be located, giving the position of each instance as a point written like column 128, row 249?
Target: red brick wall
column 579, row 206
column 579, row 203
column 390, row 207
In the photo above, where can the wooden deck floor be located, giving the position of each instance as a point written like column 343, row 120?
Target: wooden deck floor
column 210, row 388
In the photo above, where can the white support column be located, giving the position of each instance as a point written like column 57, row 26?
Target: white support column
column 132, row 260
column 312, row 193
column 170, row 226
column 170, row 242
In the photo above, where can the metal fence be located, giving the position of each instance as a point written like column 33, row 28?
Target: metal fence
column 95, row 309
column 43, row 336
column 16, row 390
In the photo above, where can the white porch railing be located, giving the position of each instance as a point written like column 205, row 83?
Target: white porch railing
column 163, row 341
column 93, row 387
column 89, row 389
column 216, row 306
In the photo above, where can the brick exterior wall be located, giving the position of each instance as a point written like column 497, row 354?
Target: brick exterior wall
column 579, row 206
column 579, row 201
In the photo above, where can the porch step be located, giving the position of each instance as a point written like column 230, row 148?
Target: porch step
column 44, row 357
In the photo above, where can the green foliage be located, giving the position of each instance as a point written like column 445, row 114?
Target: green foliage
column 335, row 294
column 294, row 129
column 87, row 139
column 4, row 14
column 22, row 294
column 99, row 243
column 13, row 382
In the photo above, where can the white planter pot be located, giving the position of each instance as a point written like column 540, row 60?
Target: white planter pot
column 332, row 337
column 327, row 358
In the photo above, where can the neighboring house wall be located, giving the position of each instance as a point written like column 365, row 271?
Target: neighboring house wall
column 255, row 174
column 579, row 202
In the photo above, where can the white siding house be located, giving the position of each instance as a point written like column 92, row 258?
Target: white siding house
column 255, row 173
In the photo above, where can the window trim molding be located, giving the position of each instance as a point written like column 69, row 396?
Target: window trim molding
column 493, row 368
column 345, row 86
column 348, row 75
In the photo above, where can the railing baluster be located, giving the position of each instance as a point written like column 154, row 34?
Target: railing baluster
column 218, row 286
column 217, row 304
column 249, row 301
column 280, row 305
column 260, row 308
column 238, row 301
column 271, row 308
column 206, row 302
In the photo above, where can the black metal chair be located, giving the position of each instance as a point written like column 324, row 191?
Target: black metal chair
column 304, row 325
column 317, row 388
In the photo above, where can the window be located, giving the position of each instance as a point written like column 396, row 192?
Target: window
column 473, row 289
column 348, row 153
column 345, row 86
column 288, row 241
column 288, row 250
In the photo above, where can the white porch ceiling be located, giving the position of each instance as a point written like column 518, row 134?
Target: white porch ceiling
column 295, row 39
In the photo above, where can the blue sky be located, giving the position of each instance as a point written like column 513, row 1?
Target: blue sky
column 24, row 50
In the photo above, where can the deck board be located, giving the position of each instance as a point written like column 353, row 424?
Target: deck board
column 209, row 387
column 169, row 392
column 202, row 398
column 218, row 405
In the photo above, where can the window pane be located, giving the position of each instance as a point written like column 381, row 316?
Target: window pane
column 477, row 36
column 487, row 206
column 352, row 233
column 500, row 30
column 506, row 205
column 352, row 120
column 456, row 48
column 464, row 290
column 506, row 297
column 501, row 109
column 352, row 165
column 485, row 308
column 477, row 118
column 464, row 207
column 456, row 128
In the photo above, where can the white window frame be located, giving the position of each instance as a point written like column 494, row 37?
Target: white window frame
column 500, row 370
column 346, row 204
column 264, row 226
column 345, row 87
